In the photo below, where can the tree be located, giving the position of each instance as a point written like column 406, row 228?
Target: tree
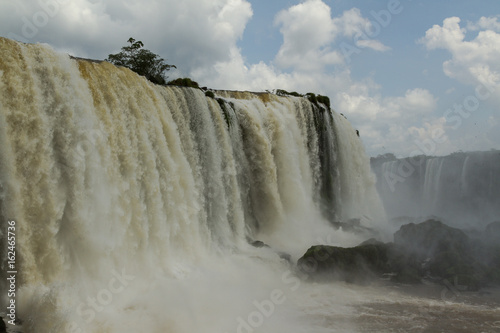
column 141, row 61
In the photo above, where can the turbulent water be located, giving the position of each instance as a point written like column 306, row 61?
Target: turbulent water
column 463, row 189
column 135, row 204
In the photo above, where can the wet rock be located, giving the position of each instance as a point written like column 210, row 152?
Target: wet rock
column 429, row 250
column 492, row 233
column 356, row 264
column 431, row 237
column 3, row 328
column 285, row 256
column 256, row 243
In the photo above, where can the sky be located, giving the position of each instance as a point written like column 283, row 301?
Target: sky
column 414, row 77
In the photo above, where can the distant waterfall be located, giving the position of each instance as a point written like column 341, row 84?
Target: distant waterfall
column 105, row 173
column 462, row 188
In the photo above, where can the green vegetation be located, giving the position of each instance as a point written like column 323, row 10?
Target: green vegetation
column 313, row 98
column 324, row 100
column 225, row 111
column 281, row 92
column 141, row 61
column 184, row 82
column 210, row 94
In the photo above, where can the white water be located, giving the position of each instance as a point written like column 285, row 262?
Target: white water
column 134, row 202
column 462, row 188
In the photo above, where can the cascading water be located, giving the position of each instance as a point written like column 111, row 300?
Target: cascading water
column 134, row 202
column 463, row 189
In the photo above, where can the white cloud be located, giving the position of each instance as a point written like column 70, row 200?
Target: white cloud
column 201, row 37
column 372, row 44
column 351, row 23
column 188, row 33
column 473, row 62
column 309, row 33
column 415, row 104
column 234, row 74
column 392, row 121
column 485, row 23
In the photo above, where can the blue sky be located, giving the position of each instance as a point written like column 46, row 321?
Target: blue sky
column 413, row 76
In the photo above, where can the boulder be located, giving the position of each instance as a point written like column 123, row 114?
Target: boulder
column 428, row 238
column 3, row 328
column 430, row 249
column 355, row 264
column 492, row 233
column 449, row 253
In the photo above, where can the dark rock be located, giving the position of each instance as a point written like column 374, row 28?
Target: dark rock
column 492, row 233
column 431, row 237
column 256, row 243
column 285, row 256
column 357, row 264
column 429, row 250
column 3, row 328
column 259, row 243
column 408, row 275
column 371, row 241
column 451, row 254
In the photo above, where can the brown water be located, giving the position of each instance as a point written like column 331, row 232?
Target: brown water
column 426, row 308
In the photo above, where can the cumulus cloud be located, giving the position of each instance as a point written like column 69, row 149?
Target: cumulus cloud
column 397, row 122
column 308, row 31
column 188, row 33
column 485, row 23
column 201, row 37
column 473, row 61
column 309, row 35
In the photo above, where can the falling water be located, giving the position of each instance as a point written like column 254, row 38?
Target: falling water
column 461, row 188
column 135, row 202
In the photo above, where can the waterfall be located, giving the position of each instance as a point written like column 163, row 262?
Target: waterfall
column 112, row 179
column 462, row 188
column 432, row 184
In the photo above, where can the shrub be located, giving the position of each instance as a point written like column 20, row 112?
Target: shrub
column 141, row 61
column 184, row 82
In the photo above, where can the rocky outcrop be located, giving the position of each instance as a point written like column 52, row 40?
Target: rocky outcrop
column 430, row 237
column 492, row 233
column 3, row 328
column 356, row 264
column 429, row 250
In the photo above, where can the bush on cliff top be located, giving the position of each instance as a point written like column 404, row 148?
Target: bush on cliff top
column 141, row 61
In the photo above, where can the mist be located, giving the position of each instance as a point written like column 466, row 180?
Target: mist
column 461, row 189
